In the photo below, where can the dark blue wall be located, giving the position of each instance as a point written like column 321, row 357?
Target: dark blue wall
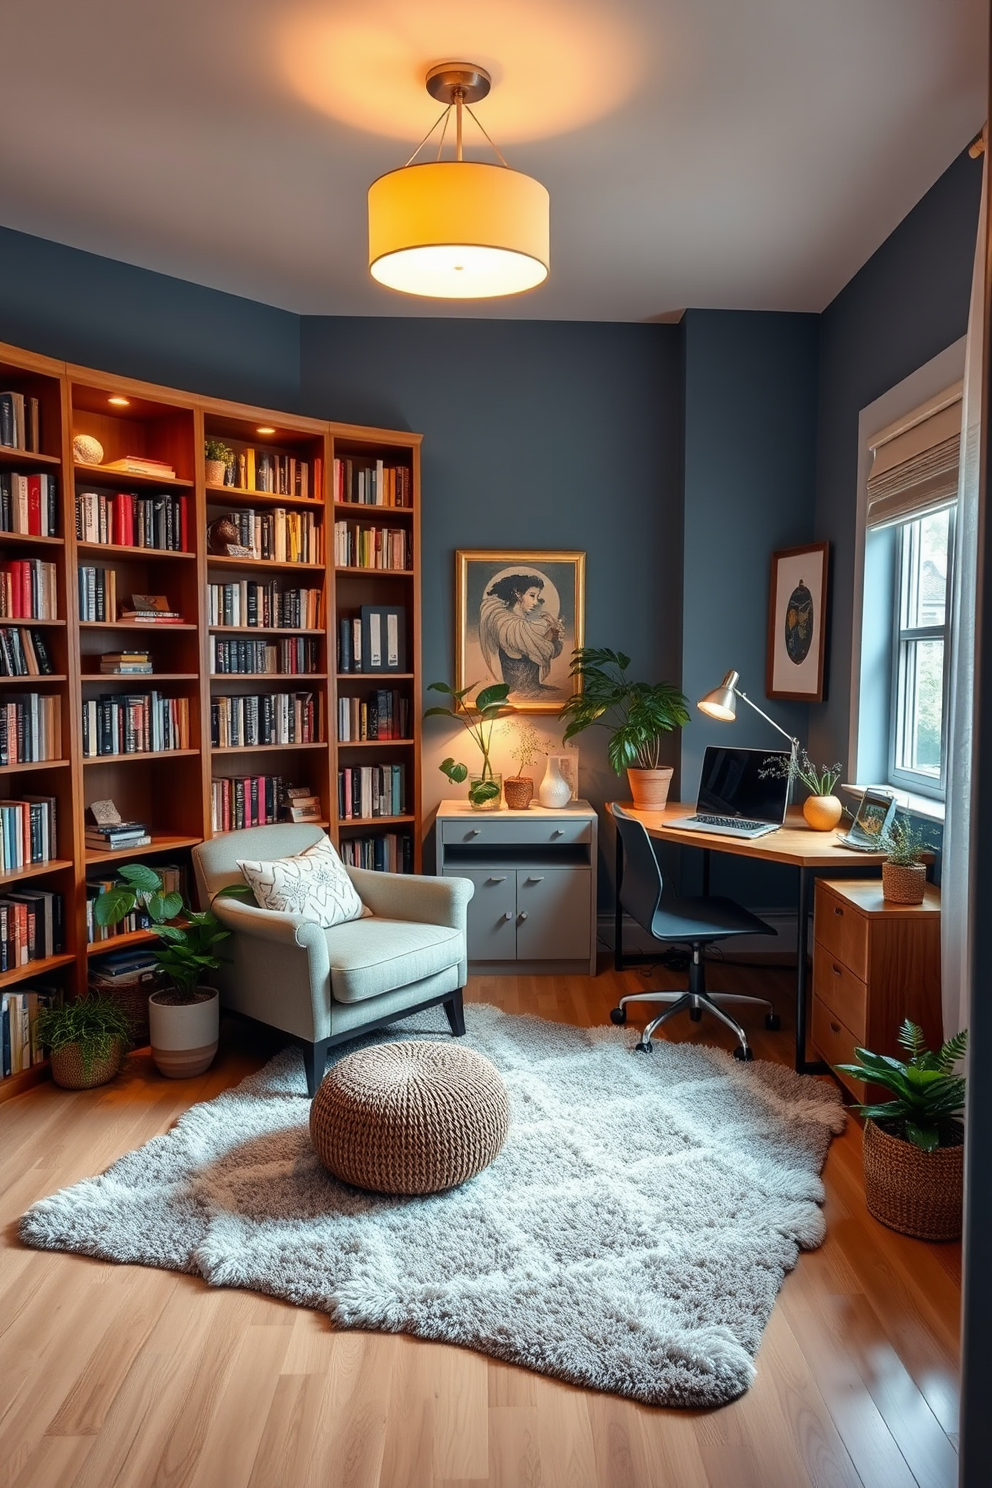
column 536, row 435
column 908, row 302
column 81, row 308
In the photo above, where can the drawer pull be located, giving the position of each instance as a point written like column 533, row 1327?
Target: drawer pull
column 535, row 878
column 838, row 911
column 522, row 915
column 508, row 915
column 475, row 832
column 497, row 880
column 834, row 1027
column 837, row 971
column 558, row 832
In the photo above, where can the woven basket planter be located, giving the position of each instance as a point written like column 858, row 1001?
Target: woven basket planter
column 904, row 883
column 518, row 791
column 917, row 1193
column 133, row 997
column 69, row 1070
column 409, row 1118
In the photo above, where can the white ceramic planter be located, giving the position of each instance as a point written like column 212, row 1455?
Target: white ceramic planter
column 184, row 1037
column 554, row 790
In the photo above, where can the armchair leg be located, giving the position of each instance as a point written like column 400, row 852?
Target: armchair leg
column 455, row 1013
column 315, row 1062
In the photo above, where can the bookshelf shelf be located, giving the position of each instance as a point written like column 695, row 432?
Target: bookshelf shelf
column 179, row 801
column 121, row 480
column 32, row 969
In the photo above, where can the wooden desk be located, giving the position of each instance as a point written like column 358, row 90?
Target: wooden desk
column 795, row 844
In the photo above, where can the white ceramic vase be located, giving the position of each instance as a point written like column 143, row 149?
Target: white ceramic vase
column 554, row 788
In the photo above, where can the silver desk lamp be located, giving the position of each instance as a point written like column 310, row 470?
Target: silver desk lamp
column 721, row 703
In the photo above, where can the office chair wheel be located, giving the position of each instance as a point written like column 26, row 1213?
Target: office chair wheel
column 696, row 1014
column 773, row 1022
column 743, row 1054
column 643, row 1048
column 618, row 1015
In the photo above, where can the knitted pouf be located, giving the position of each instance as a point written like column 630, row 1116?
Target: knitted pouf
column 410, row 1118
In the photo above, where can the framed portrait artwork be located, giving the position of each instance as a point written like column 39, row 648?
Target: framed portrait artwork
column 518, row 618
column 797, row 623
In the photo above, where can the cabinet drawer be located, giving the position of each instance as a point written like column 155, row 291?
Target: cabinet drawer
column 555, row 831
column 840, row 990
column 836, row 1043
column 842, row 932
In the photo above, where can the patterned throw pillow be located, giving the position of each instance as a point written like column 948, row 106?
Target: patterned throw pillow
column 315, row 884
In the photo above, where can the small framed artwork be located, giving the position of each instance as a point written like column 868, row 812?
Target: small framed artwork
column 518, row 618
column 568, row 764
column 797, row 623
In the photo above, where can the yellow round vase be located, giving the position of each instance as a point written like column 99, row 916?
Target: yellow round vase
column 822, row 813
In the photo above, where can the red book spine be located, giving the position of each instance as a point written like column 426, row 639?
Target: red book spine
column 34, row 505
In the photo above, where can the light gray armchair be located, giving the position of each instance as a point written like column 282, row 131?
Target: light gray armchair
column 326, row 986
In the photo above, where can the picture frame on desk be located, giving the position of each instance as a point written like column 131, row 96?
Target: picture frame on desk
column 383, row 638
column 797, row 623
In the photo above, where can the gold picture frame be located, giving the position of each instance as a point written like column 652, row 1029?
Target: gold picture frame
column 524, row 636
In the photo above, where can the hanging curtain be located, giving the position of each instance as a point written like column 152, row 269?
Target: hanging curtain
column 955, row 897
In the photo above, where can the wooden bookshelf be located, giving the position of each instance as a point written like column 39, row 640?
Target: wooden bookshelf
column 171, row 790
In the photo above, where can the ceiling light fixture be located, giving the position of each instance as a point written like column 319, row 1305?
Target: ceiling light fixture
column 458, row 229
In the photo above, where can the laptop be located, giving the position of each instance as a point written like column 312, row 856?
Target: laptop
column 737, row 795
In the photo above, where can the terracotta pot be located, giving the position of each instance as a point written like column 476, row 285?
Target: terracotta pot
column 649, row 788
column 822, row 813
column 917, row 1193
column 215, row 471
column 71, row 1071
column 518, row 791
column 904, row 883
column 184, row 1034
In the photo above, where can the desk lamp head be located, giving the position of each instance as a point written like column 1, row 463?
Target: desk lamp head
column 721, row 703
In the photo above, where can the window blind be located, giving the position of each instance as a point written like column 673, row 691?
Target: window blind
column 915, row 461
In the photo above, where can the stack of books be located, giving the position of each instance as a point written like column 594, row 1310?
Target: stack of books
column 303, row 805
column 150, row 609
column 112, row 836
column 125, row 662
column 141, row 465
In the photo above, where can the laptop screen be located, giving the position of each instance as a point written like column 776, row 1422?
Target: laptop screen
column 733, row 783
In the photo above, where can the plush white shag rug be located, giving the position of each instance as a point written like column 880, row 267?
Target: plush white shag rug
column 631, row 1236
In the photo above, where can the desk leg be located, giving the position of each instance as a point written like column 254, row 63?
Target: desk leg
column 706, row 873
column 803, row 1065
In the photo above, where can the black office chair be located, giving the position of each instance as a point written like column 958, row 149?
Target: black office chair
column 693, row 922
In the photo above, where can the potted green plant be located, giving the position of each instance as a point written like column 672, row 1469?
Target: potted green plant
column 821, row 808
column 637, row 715
column 528, row 745
column 478, row 718
column 904, row 872
column 914, row 1143
column 183, row 1015
column 86, row 1040
column 217, row 457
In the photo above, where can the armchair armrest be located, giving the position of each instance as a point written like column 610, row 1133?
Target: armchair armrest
column 405, row 896
column 289, row 930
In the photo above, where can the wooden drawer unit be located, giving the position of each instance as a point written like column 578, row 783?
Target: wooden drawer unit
column 874, row 964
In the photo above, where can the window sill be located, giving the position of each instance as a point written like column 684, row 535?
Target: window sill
column 924, row 807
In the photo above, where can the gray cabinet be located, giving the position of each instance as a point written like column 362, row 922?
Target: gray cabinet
column 534, row 871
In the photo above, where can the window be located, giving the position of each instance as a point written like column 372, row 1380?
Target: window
column 918, row 733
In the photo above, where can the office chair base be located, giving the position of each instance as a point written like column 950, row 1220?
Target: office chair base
column 773, row 1022
column 743, row 1053
column 618, row 1015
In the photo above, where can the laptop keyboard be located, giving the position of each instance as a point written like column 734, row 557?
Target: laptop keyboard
column 729, row 821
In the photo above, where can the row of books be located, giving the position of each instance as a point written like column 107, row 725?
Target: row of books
column 19, row 1046
column 280, row 535
column 32, row 927
column 138, row 723
column 133, row 521
column 366, row 791
column 20, row 422
column 279, row 475
column 390, row 852
column 30, row 728
column 266, row 718
column 245, row 605
column 375, row 484
column 23, row 653
column 238, row 801
column 97, row 590
column 383, row 715
column 359, row 546
column 27, row 832
column 373, row 641
column 28, row 590
column 29, row 504
column 293, row 656
column 173, row 881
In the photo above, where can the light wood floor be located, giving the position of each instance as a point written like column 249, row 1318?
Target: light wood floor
column 120, row 1377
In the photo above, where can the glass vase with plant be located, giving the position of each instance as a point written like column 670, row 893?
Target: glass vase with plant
column 478, row 719
column 637, row 714
column 822, row 809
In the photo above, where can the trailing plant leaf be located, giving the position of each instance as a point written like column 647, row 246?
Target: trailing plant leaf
column 479, row 719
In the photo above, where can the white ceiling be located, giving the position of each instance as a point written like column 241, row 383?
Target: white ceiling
column 745, row 154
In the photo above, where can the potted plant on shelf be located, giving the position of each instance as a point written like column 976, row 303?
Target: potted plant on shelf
column 217, row 457
column 637, row 713
column 183, row 1015
column 519, row 789
column 904, row 872
column 821, row 808
column 86, row 1040
column 478, row 718
column 914, row 1144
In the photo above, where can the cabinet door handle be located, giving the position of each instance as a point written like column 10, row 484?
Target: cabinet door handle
column 522, row 915
column 838, row 911
column 475, row 832
column 535, row 878
column 508, row 915
column 834, row 1027
column 497, row 880
column 837, row 971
